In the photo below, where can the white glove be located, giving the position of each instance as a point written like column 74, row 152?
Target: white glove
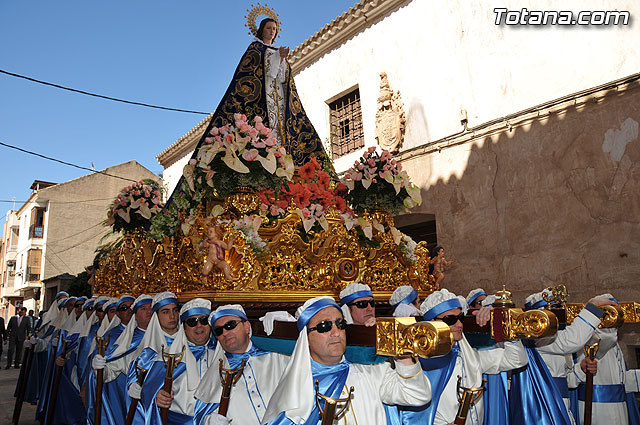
column 98, row 362
column 135, row 390
column 216, row 419
column 27, row 343
column 271, row 316
column 33, row 340
column 54, row 341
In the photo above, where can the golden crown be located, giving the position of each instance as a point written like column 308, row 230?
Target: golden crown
column 260, row 10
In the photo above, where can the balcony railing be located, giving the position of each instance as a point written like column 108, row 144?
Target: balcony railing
column 36, row 231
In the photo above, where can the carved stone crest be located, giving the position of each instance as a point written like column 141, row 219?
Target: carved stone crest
column 390, row 117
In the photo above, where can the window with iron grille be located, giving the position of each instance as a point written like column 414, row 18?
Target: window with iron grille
column 346, row 124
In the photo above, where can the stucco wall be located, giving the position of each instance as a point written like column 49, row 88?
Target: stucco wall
column 553, row 201
column 75, row 211
column 445, row 56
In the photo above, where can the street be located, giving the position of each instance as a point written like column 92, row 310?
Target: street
column 8, row 379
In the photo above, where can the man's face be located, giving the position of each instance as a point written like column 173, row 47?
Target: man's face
column 124, row 312
column 477, row 304
column 70, row 306
column 361, row 315
column 78, row 308
column 100, row 313
column 327, row 348
column 235, row 340
column 456, row 328
column 21, row 312
column 111, row 313
column 168, row 318
column 198, row 334
column 143, row 316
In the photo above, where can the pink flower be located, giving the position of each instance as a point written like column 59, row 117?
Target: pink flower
column 244, row 127
column 371, row 149
column 278, row 154
column 375, row 181
column 360, row 167
column 347, row 176
column 399, row 166
column 274, row 210
column 214, row 131
column 259, row 145
column 264, row 130
column 270, row 141
column 264, row 207
column 147, row 194
column 356, row 177
column 257, row 119
column 371, row 162
column 306, row 213
column 208, row 140
column 228, row 138
column 192, row 161
column 253, row 133
column 250, row 155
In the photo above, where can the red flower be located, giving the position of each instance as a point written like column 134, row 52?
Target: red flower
column 307, row 171
column 324, row 179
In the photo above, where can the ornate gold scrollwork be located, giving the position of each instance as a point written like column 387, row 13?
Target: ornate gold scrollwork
column 520, row 324
column 396, row 336
column 556, row 295
column 614, row 316
column 294, row 266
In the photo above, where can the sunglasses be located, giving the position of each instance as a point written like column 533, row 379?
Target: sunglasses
column 123, row 308
column 451, row 319
column 99, row 310
column 90, row 308
column 327, row 325
column 78, row 305
column 230, row 325
column 192, row 322
column 363, row 303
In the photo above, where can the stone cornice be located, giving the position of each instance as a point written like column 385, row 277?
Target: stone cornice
column 341, row 29
column 184, row 144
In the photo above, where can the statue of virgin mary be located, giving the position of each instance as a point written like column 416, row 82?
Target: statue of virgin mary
column 262, row 85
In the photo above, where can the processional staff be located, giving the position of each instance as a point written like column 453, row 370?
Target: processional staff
column 170, row 362
column 330, row 411
column 228, row 377
column 56, row 384
column 590, row 351
column 141, row 374
column 467, row 397
column 101, row 343
column 22, row 381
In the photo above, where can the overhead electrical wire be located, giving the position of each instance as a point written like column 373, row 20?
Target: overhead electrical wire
column 130, row 102
column 65, row 162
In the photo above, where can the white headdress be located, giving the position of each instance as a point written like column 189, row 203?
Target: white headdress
column 352, row 292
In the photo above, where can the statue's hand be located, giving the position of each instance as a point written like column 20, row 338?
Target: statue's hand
column 284, row 52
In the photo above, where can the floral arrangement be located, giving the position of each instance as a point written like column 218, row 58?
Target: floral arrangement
column 408, row 248
column 249, row 226
column 244, row 154
column 378, row 182
column 312, row 196
column 135, row 206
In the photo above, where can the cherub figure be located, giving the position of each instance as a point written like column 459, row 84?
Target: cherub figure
column 216, row 250
column 439, row 263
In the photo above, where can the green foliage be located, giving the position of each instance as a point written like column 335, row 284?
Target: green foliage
column 79, row 286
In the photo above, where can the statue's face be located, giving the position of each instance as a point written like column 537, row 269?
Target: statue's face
column 269, row 32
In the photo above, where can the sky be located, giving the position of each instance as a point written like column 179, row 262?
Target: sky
column 175, row 53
